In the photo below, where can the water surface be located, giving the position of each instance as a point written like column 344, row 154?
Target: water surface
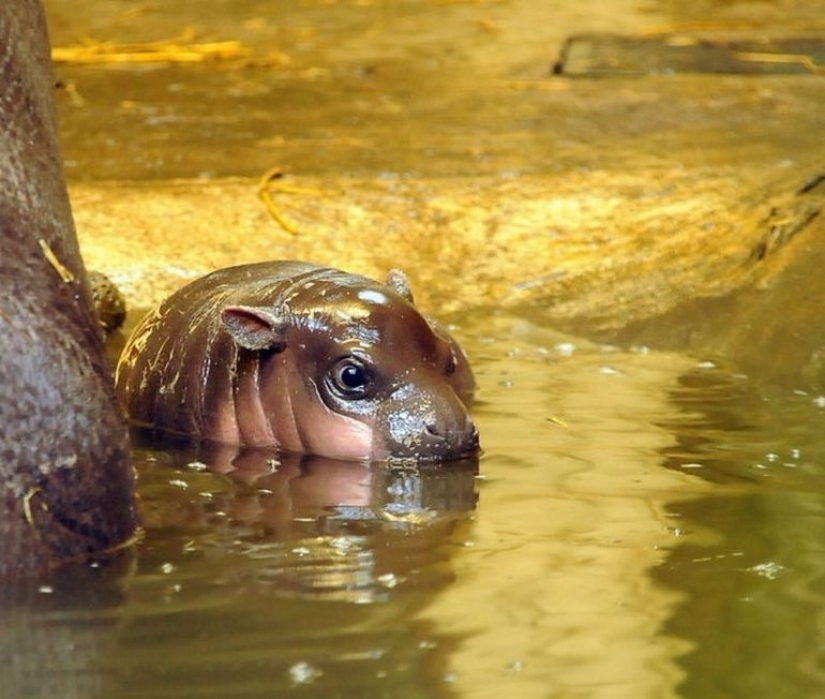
column 639, row 524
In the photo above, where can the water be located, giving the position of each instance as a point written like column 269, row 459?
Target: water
column 640, row 524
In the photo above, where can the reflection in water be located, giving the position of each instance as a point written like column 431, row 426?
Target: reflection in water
column 752, row 608
column 709, row 410
column 305, row 525
column 50, row 644
column 646, row 526
column 553, row 597
column 258, row 572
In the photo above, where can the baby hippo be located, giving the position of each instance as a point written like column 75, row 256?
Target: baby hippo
column 304, row 358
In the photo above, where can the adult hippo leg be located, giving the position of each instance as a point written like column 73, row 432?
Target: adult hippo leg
column 66, row 486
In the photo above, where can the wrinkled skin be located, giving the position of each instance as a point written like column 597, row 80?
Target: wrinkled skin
column 304, row 358
column 65, row 474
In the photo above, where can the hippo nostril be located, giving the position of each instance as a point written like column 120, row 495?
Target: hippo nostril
column 469, row 433
column 434, row 431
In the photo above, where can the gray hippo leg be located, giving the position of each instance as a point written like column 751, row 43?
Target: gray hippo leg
column 66, row 484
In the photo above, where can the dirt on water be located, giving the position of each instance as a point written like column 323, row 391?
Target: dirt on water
column 616, row 205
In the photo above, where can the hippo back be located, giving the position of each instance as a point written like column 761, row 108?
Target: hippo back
column 180, row 362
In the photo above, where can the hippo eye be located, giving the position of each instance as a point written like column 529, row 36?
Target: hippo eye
column 350, row 378
column 451, row 365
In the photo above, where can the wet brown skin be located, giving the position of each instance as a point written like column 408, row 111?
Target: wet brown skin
column 305, row 358
column 66, row 489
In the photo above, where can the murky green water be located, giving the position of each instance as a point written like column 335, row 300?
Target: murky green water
column 640, row 524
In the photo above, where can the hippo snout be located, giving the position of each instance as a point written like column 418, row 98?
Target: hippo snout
column 423, row 430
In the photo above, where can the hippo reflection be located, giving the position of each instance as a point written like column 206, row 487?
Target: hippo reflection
column 300, row 524
column 304, row 358
column 298, row 495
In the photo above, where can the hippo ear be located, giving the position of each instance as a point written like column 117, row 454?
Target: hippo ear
column 398, row 282
column 255, row 328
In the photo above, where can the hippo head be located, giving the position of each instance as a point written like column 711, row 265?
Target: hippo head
column 353, row 371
